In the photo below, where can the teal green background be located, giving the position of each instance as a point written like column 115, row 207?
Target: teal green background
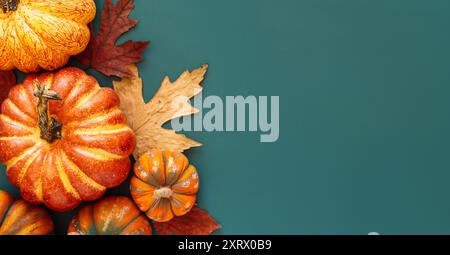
column 364, row 92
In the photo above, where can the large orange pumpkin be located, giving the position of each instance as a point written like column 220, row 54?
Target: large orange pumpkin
column 164, row 185
column 64, row 139
column 110, row 216
column 21, row 218
column 38, row 34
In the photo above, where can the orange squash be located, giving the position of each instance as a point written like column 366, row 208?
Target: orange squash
column 164, row 185
column 64, row 139
column 21, row 218
column 110, row 216
column 38, row 34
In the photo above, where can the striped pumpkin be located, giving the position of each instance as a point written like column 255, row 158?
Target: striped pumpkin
column 164, row 185
column 37, row 34
column 21, row 218
column 62, row 152
column 110, row 216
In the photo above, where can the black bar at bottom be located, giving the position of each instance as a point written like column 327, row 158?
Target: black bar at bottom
column 235, row 245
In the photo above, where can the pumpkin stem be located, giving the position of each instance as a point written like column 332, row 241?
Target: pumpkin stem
column 9, row 5
column 50, row 127
column 164, row 192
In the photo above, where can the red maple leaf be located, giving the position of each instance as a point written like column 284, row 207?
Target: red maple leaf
column 195, row 222
column 7, row 81
column 102, row 53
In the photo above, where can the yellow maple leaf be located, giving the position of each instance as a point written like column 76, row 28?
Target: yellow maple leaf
column 169, row 102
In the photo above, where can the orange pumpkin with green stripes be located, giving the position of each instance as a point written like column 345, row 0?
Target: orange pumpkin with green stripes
column 110, row 216
column 18, row 217
column 64, row 139
column 165, row 185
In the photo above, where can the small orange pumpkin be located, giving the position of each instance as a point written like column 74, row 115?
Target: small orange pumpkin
column 21, row 218
column 110, row 216
column 64, row 139
column 43, row 34
column 164, row 185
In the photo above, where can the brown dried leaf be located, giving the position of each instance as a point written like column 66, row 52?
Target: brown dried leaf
column 169, row 102
column 7, row 81
column 102, row 53
column 195, row 222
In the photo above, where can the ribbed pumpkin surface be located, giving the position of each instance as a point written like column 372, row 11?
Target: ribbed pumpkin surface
column 22, row 218
column 110, row 216
column 43, row 33
column 165, row 185
column 92, row 155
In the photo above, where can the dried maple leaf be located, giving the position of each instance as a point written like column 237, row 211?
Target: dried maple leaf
column 170, row 101
column 102, row 52
column 195, row 222
column 7, row 80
